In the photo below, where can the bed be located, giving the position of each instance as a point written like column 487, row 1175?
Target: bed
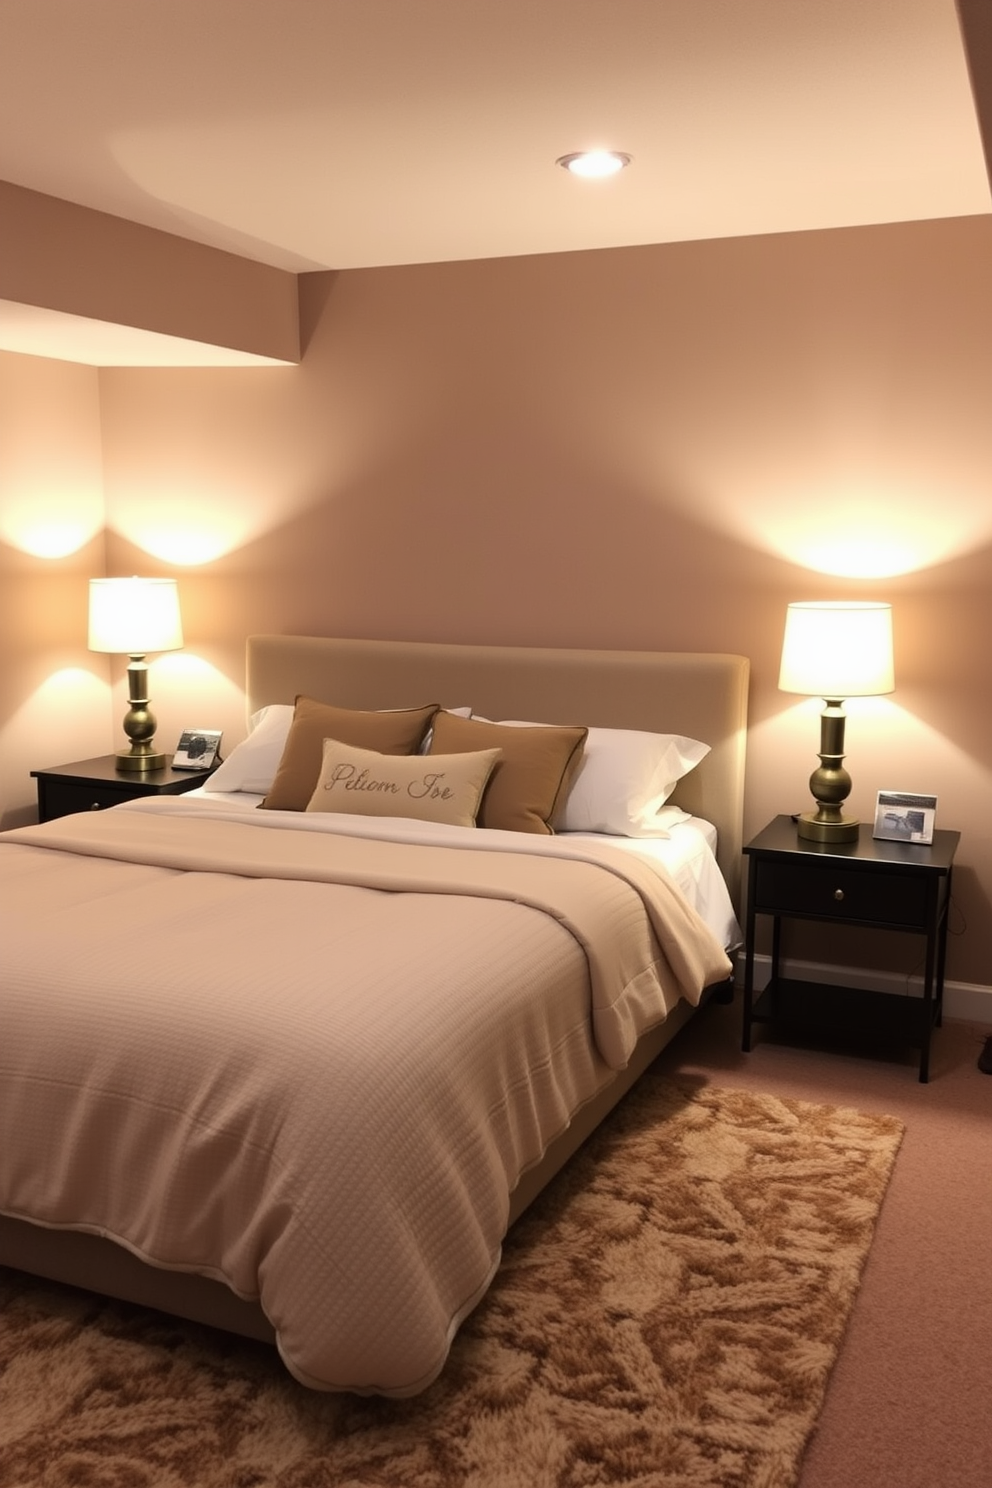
column 371, row 1039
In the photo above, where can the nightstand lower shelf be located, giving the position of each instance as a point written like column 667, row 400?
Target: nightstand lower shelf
column 824, row 1014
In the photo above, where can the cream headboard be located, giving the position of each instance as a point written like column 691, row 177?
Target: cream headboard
column 699, row 694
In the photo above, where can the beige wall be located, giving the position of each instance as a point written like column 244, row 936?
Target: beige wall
column 54, row 702
column 649, row 447
column 63, row 257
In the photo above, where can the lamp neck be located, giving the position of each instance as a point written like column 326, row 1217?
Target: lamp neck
column 137, row 679
column 832, row 723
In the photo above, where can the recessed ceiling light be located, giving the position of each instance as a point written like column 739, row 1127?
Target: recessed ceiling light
column 594, row 162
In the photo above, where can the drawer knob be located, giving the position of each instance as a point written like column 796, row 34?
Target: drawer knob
column 839, row 895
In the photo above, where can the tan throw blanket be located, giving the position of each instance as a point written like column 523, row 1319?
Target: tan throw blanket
column 228, row 1048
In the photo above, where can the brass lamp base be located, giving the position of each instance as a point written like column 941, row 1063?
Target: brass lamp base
column 816, row 826
column 139, row 723
column 830, row 784
column 130, row 762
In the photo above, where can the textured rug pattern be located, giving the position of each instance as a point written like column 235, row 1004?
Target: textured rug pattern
column 666, row 1316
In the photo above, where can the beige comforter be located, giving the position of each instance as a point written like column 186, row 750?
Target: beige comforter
column 314, row 1063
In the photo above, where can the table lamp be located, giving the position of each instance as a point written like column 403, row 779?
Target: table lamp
column 835, row 649
column 131, row 617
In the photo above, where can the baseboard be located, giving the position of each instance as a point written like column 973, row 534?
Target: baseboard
column 964, row 1002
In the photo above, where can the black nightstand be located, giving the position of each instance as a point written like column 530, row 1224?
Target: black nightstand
column 91, row 785
column 875, row 884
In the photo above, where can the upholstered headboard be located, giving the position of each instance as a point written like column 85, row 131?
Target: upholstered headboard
column 699, row 694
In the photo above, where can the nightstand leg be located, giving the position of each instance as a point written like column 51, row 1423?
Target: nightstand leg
column 776, row 955
column 748, row 976
column 930, row 1007
column 941, row 933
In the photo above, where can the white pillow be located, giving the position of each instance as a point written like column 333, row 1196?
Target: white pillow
column 251, row 766
column 436, row 788
column 626, row 776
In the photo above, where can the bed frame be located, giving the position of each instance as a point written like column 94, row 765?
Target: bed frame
column 702, row 695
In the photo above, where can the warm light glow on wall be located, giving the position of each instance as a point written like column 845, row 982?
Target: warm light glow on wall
column 846, row 519
column 200, row 687
column 188, row 528
column 65, row 717
column 856, row 534
column 185, row 546
column 76, row 689
column 181, row 531
column 863, row 556
column 50, row 526
column 855, row 537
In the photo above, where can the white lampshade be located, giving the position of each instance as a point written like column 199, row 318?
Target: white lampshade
column 837, row 649
column 134, row 616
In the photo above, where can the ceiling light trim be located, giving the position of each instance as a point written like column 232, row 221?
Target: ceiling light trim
column 594, row 164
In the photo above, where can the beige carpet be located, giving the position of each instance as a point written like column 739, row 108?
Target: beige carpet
column 667, row 1317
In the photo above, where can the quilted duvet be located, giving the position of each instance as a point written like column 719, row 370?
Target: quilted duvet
column 310, row 1056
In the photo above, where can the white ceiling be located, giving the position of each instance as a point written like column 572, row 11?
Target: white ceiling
column 317, row 134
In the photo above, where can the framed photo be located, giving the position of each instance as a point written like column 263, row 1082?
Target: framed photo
column 198, row 749
column 903, row 817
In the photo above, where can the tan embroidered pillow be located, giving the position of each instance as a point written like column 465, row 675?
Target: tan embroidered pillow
column 397, row 732
column 532, row 776
column 428, row 787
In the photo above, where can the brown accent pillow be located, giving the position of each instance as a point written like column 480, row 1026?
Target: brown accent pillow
column 532, row 775
column 398, row 732
column 433, row 788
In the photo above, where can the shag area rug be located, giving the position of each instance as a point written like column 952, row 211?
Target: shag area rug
column 666, row 1316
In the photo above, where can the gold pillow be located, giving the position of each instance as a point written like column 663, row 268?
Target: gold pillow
column 532, row 776
column 435, row 788
column 397, row 732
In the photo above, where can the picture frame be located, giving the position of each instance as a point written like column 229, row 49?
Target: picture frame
column 903, row 816
column 198, row 749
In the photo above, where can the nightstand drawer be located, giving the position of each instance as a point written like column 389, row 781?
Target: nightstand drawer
column 845, row 893
column 62, row 798
column 95, row 784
